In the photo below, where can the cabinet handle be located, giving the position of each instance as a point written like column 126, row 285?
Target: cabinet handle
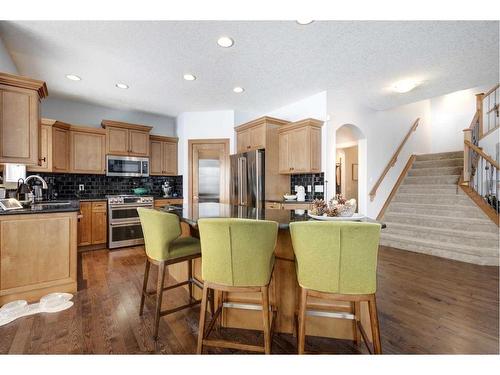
column 44, row 159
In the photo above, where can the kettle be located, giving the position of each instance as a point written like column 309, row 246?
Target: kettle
column 22, row 190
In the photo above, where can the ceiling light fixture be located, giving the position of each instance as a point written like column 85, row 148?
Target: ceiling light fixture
column 225, row 42
column 73, row 77
column 238, row 89
column 189, row 77
column 404, row 86
column 122, row 86
column 304, row 21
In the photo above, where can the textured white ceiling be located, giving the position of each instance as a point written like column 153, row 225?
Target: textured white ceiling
column 277, row 62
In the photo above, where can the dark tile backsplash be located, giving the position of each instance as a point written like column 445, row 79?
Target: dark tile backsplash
column 65, row 185
column 308, row 179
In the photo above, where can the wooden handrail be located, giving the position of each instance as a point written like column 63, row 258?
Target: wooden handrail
column 392, row 161
column 484, row 155
column 492, row 89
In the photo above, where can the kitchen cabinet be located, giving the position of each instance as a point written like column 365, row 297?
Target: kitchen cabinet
column 54, row 147
column 20, row 119
column 126, row 139
column 50, row 265
column 254, row 135
column 163, row 159
column 300, row 147
column 88, row 149
column 93, row 223
column 162, row 202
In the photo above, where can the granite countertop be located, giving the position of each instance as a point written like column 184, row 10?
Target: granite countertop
column 46, row 208
column 191, row 213
column 307, row 201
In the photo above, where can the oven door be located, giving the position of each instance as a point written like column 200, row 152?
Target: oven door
column 124, row 213
column 125, row 234
column 126, row 166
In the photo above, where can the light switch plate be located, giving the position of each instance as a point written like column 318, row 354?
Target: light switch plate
column 309, row 188
column 318, row 188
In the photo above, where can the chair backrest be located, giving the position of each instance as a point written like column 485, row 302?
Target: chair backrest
column 336, row 257
column 159, row 229
column 237, row 252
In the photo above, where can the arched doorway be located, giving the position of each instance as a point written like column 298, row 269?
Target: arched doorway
column 350, row 164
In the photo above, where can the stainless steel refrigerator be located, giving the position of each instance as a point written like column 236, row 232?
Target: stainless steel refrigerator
column 248, row 178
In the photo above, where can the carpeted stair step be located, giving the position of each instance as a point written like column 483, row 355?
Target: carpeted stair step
column 486, row 240
column 431, row 180
column 435, row 209
column 445, row 250
column 440, row 171
column 457, row 162
column 452, row 189
column 447, row 199
column 465, row 224
column 441, row 155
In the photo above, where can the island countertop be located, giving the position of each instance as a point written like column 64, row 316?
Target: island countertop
column 46, row 207
column 192, row 212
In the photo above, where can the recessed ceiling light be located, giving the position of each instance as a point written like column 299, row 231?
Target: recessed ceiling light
column 73, row 77
column 404, row 86
column 189, row 77
column 238, row 89
column 122, row 86
column 304, row 21
column 225, row 41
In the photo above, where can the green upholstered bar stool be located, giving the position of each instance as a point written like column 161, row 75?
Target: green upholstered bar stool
column 164, row 246
column 237, row 256
column 337, row 261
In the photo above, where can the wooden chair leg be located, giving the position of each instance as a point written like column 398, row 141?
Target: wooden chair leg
column 159, row 294
column 144, row 286
column 302, row 320
column 220, row 303
column 265, row 319
column 190, row 277
column 372, row 307
column 356, row 308
column 201, row 328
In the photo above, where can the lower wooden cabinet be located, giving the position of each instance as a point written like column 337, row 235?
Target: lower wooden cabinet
column 37, row 255
column 166, row 201
column 93, row 223
column 288, row 206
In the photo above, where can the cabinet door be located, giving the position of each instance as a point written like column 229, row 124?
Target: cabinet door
column 298, row 153
column 258, row 137
column 19, row 127
column 243, row 140
column 117, row 141
column 85, row 224
column 170, row 158
column 87, row 153
column 45, row 163
column 284, row 159
column 60, row 150
column 315, row 150
column 99, row 227
column 138, row 143
column 156, row 158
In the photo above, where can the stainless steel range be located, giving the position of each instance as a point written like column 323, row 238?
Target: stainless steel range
column 123, row 218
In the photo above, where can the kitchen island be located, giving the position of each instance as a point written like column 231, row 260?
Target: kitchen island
column 38, row 250
column 284, row 289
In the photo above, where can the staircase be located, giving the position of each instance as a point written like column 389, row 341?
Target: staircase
column 431, row 214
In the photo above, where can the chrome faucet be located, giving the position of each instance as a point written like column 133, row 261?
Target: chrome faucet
column 44, row 184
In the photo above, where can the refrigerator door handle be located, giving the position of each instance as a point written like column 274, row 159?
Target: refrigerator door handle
column 243, row 182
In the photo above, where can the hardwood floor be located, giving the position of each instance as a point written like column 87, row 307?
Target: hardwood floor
column 426, row 305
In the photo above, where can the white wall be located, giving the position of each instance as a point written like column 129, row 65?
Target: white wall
column 88, row 114
column 202, row 125
column 450, row 114
column 6, row 63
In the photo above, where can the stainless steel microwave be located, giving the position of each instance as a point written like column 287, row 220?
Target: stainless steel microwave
column 127, row 166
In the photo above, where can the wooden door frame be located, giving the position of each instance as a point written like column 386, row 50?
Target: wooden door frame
column 224, row 167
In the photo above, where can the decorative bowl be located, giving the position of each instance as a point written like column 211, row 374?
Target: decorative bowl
column 290, row 197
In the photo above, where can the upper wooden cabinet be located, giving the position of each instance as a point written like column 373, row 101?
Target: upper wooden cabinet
column 163, row 159
column 300, row 147
column 20, row 119
column 254, row 135
column 87, row 150
column 54, row 147
column 126, row 139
